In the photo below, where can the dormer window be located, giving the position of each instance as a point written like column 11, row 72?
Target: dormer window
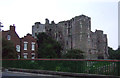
column 9, row 37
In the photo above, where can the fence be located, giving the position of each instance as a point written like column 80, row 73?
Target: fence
column 102, row 67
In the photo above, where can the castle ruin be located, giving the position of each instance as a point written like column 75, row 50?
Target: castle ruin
column 76, row 34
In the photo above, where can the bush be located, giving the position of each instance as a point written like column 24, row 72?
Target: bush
column 74, row 54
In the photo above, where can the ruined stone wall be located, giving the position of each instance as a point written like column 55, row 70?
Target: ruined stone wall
column 76, row 34
column 37, row 28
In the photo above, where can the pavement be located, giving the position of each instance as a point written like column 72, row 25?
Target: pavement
column 11, row 74
column 30, row 73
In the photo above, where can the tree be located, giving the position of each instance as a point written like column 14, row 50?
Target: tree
column 47, row 47
column 114, row 54
column 8, row 50
column 74, row 54
column 118, row 53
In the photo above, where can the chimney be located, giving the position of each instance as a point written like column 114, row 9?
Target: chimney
column 12, row 28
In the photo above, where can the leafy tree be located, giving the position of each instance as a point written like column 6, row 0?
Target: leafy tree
column 8, row 50
column 74, row 54
column 118, row 53
column 47, row 47
column 114, row 54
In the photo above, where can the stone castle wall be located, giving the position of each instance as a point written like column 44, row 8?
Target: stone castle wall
column 76, row 34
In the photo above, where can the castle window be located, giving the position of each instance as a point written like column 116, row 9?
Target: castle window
column 33, row 46
column 55, row 35
column 69, row 32
column 65, row 24
column 80, row 37
column 25, row 45
column 88, row 35
column 35, row 34
column 37, row 26
column 84, row 19
column 88, row 28
column 66, row 42
column 18, row 48
column 9, row 37
column 69, row 23
column 80, row 24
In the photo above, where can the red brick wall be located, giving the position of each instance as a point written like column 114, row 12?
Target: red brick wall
column 14, row 36
column 28, row 39
column 17, row 41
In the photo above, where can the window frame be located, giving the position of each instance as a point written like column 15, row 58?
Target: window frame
column 8, row 37
column 18, row 48
column 25, row 45
column 32, row 46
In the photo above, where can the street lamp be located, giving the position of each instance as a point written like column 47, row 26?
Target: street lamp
column 0, row 26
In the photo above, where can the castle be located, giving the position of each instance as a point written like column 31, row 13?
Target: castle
column 76, row 34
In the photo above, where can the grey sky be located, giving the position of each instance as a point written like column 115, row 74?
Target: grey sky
column 24, row 13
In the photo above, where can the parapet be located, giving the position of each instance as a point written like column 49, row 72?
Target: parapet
column 37, row 23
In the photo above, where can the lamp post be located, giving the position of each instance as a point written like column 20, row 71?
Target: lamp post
column 0, row 26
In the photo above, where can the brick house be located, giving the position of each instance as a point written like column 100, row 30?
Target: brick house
column 12, row 36
column 28, row 49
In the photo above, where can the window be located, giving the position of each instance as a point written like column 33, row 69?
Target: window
column 33, row 46
column 33, row 55
column 80, row 24
column 80, row 37
column 35, row 34
column 25, row 55
column 18, row 48
column 67, row 43
column 37, row 26
column 88, row 28
column 18, row 56
column 69, row 32
column 88, row 35
column 25, row 45
column 9, row 37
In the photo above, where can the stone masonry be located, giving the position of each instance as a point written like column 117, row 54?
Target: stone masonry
column 76, row 34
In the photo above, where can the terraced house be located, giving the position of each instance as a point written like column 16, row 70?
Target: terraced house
column 25, row 47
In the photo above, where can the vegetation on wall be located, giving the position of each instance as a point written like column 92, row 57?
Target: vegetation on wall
column 47, row 47
column 74, row 54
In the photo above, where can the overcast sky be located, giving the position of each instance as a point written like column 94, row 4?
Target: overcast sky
column 24, row 13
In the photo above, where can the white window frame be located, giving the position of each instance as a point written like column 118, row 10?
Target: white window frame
column 33, row 46
column 25, row 45
column 8, row 37
column 25, row 55
column 18, row 48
